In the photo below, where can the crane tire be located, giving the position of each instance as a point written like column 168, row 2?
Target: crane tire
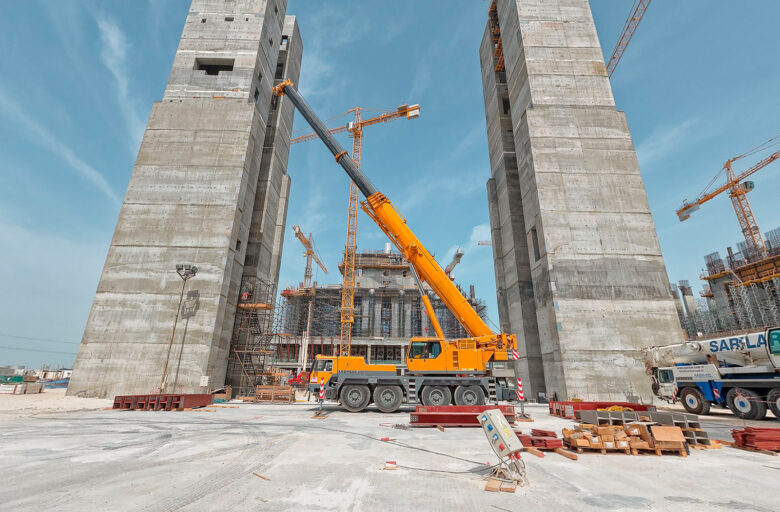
column 694, row 402
column 388, row 398
column 355, row 397
column 746, row 404
column 469, row 395
column 436, row 395
column 774, row 402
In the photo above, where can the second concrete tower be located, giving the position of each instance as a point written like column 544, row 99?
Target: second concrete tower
column 580, row 275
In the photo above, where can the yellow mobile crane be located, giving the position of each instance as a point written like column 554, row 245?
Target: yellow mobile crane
column 437, row 368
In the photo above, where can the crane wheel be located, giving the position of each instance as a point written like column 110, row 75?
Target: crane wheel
column 693, row 401
column 436, row 395
column 774, row 402
column 746, row 404
column 469, row 395
column 355, row 398
column 388, row 398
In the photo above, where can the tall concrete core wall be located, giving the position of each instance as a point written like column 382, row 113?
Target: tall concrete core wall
column 579, row 270
column 209, row 188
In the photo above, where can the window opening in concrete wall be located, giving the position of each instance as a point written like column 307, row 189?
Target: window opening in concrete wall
column 505, row 104
column 279, row 71
column 257, row 93
column 214, row 66
column 229, row 18
column 203, row 20
column 535, row 243
column 285, row 39
column 238, row 245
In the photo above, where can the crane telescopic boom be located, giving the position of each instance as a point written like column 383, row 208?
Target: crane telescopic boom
column 382, row 211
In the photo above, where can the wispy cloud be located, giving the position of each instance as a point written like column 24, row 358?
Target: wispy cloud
column 45, row 139
column 114, row 56
column 663, row 142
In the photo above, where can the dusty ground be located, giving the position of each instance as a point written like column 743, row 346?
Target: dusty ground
column 127, row 460
column 51, row 400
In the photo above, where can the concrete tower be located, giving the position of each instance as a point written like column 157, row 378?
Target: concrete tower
column 579, row 270
column 209, row 188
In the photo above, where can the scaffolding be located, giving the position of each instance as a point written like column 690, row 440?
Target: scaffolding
column 251, row 346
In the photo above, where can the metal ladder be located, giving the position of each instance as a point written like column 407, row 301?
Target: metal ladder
column 492, row 392
column 412, row 396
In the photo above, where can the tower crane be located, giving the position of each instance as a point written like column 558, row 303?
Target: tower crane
column 355, row 130
column 738, row 189
column 311, row 255
column 637, row 12
column 455, row 260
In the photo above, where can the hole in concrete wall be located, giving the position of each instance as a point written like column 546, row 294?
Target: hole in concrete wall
column 238, row 245
column 279, row 71
column 535, row 243
column 276, row 9
column 214, row 66
column 270, row 42
column 505, row 105
column 229, row 18
column 257, row 93
column 203, row 20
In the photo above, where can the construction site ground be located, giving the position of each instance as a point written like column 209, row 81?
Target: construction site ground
column 66, row 453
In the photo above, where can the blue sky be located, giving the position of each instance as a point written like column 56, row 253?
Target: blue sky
column 697, row 83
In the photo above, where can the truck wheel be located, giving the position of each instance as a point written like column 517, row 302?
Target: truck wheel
column 774, row 402
column 436, row 395
column 469, row 395
column 693, row 401
column 355, row 398
column 745, row 404
column 388, row 398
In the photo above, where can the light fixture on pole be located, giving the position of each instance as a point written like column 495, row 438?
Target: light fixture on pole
column 186, row 272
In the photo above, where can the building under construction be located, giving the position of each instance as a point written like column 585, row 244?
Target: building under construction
column 388, row 312
column 742, row 290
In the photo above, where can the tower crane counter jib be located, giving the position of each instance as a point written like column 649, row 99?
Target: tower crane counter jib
column 427, row 357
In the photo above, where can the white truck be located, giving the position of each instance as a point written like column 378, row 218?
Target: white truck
column 741, row 372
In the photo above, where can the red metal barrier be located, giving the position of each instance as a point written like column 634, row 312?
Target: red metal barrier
column 455, row 415
column 167, row 402
column 570, row 409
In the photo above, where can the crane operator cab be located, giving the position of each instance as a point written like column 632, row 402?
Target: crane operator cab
column 426, row 355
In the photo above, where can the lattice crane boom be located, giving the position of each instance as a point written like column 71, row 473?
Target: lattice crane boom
column 637, row 12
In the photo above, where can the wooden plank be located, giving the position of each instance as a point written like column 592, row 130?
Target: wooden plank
column 566, row 453
column 261, row 476
column 493, row 485
column 533, row 451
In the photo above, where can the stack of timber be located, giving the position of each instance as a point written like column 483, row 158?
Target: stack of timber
column 767, row 439
column 631, row 439
column 543, row 440
column 275, row 394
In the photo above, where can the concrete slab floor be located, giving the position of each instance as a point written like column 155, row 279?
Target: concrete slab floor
column 128, row 460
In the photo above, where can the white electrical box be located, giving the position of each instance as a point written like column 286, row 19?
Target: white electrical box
column 499, row 433
column 204, row 381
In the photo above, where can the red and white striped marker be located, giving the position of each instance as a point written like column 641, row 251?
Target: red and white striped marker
column 322, row 388
column 520, row 397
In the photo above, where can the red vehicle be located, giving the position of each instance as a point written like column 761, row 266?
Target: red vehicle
column 300, row 380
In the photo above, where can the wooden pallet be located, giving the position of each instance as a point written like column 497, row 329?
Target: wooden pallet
column 602, row 450
column 658, row 450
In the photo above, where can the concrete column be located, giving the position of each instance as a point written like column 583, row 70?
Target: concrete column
column 395, row 318
column 377, row 331
column 407, row 312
